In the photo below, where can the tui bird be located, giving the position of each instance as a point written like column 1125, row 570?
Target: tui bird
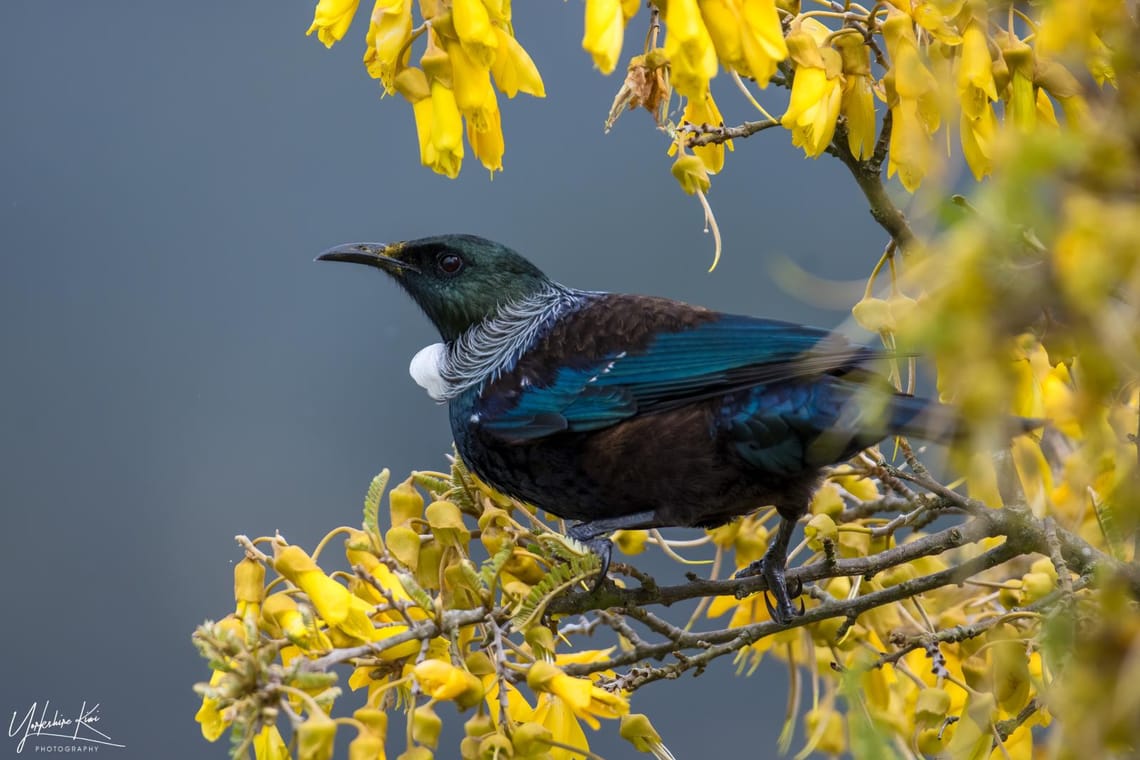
column 627, row 411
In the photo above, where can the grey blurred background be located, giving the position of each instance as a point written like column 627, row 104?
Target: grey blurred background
column 176, row 369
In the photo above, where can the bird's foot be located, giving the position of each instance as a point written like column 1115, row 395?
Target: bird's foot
column 773, row 572
column 600, row 546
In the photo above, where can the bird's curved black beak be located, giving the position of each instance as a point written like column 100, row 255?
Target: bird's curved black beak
column 380, row 255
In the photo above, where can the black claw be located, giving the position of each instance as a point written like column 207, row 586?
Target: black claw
column 797, row 589
column 604, row 548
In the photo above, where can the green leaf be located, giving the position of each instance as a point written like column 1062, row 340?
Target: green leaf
column 372, row 505
column 560, row 577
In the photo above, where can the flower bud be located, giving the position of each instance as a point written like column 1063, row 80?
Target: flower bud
column 496, row 747
column 873, row 314
column 531, row 738
column 249, row 582
column 690, row 172
column 426, row 726
column 931, row 707
column 405, row 502
column 366, row 746
column 446, row 523
column 479, row 725
column 413, row 85
column 819, row 529
column 404, row 545
column 827, row 501
column 316, row 737
column 630, row 541
column 638, row 731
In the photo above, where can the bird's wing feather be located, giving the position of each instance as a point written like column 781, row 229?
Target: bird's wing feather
column 673, row 369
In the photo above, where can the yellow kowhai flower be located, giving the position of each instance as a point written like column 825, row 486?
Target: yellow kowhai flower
column 690, row 50
column 209, row 717
column 703, row 110
column 268, row 745
column 858, row 102
column 316, row 736
column 638, row 731
column 604, row 32
column 357, row 553
column 1022, row 106
column 471, row 83
column 332, row 19
column 389, row 31
column 280, row 615
column 747, row 36
column 514, row 70
column 976, row 90
column 817, row 90
column 442, row 150
column 442, row 680
column 473, row 27
column 249, row 588
column 333, row 602
column 912, row 97
column 487, row 144
column 585, row 700
column 690, row 172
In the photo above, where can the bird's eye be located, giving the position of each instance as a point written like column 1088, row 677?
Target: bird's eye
column 449, row 263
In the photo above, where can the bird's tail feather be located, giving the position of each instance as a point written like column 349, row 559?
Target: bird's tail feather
column 938, row 423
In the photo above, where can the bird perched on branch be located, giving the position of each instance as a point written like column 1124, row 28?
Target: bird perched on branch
column 624, row 411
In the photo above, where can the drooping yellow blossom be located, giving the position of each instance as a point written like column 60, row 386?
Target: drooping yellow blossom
column 514, row 70
column 858, row 103
column 690, row 50
column 704, row 111
column 817, row 90
column 281, row 616
column 444, row 149
column 1021, row 109
column 912, row 98
column 747, row 36
column 442, row 680
column 638, row 731
column 488, row 145
column 249, row 589
column 604, row 33
column 316, row 737
column 332, row 19
column 690, row 172
column 585, row 700
column 557, row 717
column 413, row 85
column 473, row 27
column 333, row 602
column 471, row 83
column 976, row 91
column 268, row 745
column 389, row 32
column 209, row 717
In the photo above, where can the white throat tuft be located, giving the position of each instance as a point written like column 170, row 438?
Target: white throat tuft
column 427, row 370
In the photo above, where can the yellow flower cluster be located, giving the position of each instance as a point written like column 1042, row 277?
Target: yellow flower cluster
column 972, row 64
column 980, row 678
column 414, row 619
column 470, row 52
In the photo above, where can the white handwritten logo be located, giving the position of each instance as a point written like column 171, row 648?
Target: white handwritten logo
column 80, row 730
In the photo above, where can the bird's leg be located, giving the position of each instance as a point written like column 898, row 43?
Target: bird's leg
column 594, row 534
column 772, row 566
